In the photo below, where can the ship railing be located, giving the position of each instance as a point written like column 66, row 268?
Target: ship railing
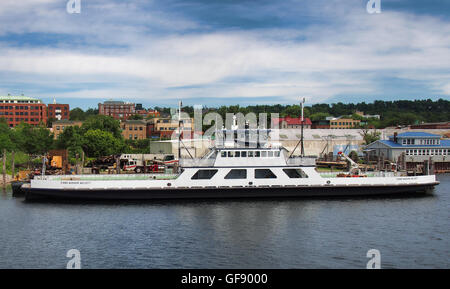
column 298, row 161
column 197, row 162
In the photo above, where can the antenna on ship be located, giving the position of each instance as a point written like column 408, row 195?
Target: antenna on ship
column 180, row 103
column 302, row 153
column 301, row 136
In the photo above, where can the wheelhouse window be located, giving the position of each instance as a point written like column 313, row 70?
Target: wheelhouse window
column 236, row 174
column 295, row 173
column 204, row 174
column 264, row 174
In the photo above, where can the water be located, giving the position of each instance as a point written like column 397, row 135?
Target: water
column 409, row 232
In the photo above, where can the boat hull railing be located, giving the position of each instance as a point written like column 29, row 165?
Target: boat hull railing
column 197, row 162
column 298, row 161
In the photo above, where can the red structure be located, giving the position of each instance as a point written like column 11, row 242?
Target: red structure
column 17, row 109
column 117, row 109
column 292, row 122
column 58, row 111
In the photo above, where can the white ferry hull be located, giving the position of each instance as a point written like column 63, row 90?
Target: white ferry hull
column 231, row 192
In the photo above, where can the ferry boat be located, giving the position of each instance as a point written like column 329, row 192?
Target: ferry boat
column 240, row 168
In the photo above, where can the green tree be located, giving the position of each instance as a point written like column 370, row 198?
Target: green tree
column 369, row 136
column 98, row 143
column 102, row 122
column 136, row 117
column 34, row 140
column 5, row 136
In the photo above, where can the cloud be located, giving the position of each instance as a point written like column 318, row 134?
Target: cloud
column 127, row 49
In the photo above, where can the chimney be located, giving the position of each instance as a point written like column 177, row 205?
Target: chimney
column 395, row 137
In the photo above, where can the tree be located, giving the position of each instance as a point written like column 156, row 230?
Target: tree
column 136, row 117
column 5, row 136
column 102, row 122
column 369, row 136
column 318, row 116
column 97, row 143
column 34, row 140
column 71, row 139
column 77, row 114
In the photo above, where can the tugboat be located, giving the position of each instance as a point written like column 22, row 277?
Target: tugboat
column 243, row 167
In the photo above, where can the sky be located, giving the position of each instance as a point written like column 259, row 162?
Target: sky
column 223, row 52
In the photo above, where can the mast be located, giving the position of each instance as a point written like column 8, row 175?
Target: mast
column 179, row 129
column 301, row 136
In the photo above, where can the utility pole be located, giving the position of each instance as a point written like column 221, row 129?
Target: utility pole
column 301, row 136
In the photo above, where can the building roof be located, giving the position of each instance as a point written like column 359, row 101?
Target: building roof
column 17, row 97
column 391, row 144
column 135, row 121
column 66, row 121
column 417, row 134
column 292, row 120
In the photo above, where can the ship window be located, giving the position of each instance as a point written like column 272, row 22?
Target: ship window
column 244, row 154
column 230, row 154
column 236, row 174
column 295, row 173
column 257, row 154
column 263, row 154
column 237, row 154
column 270, row 154
column 264, row 174
column 204, row 174
column 277, row 154
column 250, row 154
column 223, row 154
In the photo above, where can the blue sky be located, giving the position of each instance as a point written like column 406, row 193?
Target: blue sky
column 216, row 52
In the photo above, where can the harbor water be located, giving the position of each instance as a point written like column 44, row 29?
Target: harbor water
column 409, row 232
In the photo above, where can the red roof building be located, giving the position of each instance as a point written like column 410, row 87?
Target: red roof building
column 291, row 122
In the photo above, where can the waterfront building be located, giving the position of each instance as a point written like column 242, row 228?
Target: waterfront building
column 134, row 129
column 117, row 109
column 416, row 147
column 292, row 122
column 434, row 125
column 17, row 109
column 59, row 126
column 344, row 122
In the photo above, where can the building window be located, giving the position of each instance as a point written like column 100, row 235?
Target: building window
column 264, row 174
column 236, row 174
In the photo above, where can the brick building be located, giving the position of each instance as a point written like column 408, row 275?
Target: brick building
column 117, row 109
column 134, row 129
column 58, row 111
column 17, row 109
